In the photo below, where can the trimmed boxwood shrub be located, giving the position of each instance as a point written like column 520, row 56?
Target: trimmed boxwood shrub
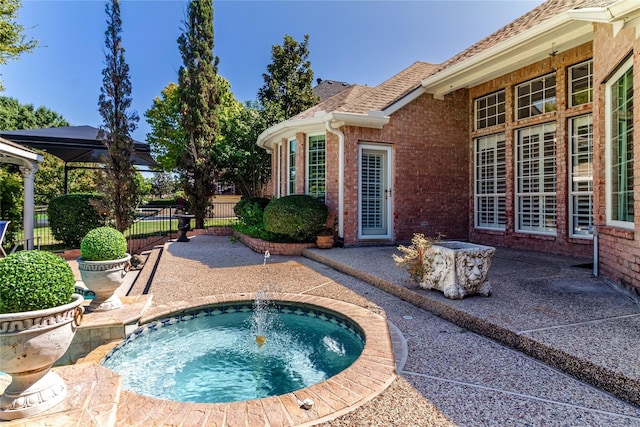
column 298, row 216
column 34, row 280
column 250, row 210
column 103, row 244
column 71, row 216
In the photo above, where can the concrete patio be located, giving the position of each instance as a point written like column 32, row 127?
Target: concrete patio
column 552, row 346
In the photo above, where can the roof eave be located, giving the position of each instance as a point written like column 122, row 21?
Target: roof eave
column 556, row 34
column 267, row 139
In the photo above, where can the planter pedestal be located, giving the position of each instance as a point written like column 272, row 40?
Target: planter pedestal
column 103, row 278
column 30, row 344
column 458, row 269
column 184, row 225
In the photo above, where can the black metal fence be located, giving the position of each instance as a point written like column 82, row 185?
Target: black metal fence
column 153, row 224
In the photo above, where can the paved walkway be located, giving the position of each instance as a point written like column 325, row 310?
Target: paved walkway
column 481, row 361
column 546, row 306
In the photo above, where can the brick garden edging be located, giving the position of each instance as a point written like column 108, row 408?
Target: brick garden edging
column 260, row 246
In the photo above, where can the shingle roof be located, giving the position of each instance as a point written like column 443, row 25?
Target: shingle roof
column 362, row 99
column 537, row 16
column 325, row 89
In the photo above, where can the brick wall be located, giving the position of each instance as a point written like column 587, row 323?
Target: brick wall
column 562, row 242
column 619, row 248
column 430, row 176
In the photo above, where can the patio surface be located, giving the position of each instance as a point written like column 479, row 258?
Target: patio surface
column 498, row 360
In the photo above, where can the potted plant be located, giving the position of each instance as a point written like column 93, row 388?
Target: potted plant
column 103, row 265
column 324, row 238
column 39, row 314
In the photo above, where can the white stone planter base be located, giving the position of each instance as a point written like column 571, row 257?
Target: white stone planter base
column 111, row 303
column 17, row 402
column 30, row 343
column 458, row 269
column 104, row 278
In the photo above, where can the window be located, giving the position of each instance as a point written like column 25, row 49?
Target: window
column 536, row 179
column 581, row 176
column 581, row 83
column 490, row 182
column 489, row 110
column 279, row 170
column 316, row 167
column 619, row 112
column 291, row 175
column 536, row 96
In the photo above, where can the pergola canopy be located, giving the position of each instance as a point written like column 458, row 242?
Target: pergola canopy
column 74, row 144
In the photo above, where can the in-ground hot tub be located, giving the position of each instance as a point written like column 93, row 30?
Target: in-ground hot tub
column 213, row 354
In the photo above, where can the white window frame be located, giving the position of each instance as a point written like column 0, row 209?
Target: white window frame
column 290, row 167
column 542, row 102
column 542, row 194
column 589, row 79
column 498, row 170
column 584, row 176
column 308, row 164
column 279, row 170
column 491, row 101
column 626, row 66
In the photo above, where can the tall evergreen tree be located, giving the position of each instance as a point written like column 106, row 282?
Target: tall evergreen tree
column 287, row 84
column 120, row 187
column 199, row 99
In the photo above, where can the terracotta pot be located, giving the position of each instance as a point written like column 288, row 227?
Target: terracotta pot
column 324, row 242
column 30, row 343
column 103, row 278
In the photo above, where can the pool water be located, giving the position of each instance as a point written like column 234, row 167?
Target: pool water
column 213, row 356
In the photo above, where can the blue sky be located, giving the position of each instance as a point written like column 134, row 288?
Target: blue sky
column 362, row 42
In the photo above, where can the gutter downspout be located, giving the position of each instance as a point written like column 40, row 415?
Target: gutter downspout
column 596, row 259
column 335, row 131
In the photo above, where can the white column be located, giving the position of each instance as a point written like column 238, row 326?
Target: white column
column 28, row 175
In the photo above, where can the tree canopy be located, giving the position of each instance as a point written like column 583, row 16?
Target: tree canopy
column 287, row 88
column 198, row 99
column 13, row 40
column 121, row 185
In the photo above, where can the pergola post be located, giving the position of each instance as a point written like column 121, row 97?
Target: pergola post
column 28, row 176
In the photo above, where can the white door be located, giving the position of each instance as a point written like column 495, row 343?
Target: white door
column 374, row 190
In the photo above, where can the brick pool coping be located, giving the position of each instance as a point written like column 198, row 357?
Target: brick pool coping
column 366, row 378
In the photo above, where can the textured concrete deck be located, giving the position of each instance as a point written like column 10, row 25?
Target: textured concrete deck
column 450, row 372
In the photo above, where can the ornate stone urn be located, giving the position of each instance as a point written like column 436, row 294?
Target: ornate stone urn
column 104, row 278
column 30, row 343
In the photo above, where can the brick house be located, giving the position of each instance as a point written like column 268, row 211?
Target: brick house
column 525, row 140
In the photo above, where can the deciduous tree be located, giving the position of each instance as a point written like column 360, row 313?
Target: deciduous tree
column 121, row 186
column 13, row 40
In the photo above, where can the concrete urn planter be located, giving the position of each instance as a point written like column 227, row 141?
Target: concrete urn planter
column 458, row 269
column 30, row 343
column 103, row 278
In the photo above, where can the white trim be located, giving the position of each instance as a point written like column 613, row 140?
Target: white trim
column 340, row 177
column 404, row 101
column 389, row 182
column 288, row 128
column 288, row 184
column 279, row 170
column 607, row 152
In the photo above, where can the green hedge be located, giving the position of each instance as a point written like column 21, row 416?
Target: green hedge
column 250, row 210
column 72, row 216
column 300, row 217
column 103, row 244
column 34, row 280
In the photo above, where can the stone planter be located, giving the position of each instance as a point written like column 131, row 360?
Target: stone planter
column 30, row 343
column 103, row 278
column 458, row 269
